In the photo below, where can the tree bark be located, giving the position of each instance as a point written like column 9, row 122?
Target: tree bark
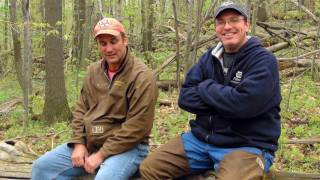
column 99, row 3
column 177, row 42
column 254, row 17
column 162, row 11
column 16, row 42
column 199, row 6
column 150, row 20
column 117, row 10
column 143, row 26
column 262, row 14
column 79, row 35
column 56, row 105
column 188, row 59
column 27, row 60
column 4, row 59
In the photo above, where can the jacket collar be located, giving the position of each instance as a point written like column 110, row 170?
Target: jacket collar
column 218, row 50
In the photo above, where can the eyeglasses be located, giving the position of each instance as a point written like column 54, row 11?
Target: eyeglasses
column 232, row 21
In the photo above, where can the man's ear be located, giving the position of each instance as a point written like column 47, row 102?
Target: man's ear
column 125, row 41
column 247, row 24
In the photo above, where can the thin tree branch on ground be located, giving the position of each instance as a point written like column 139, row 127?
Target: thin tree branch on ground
column 9, row 105
column 312, row 140
column 300, row 56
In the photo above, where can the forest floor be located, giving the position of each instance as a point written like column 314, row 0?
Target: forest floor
column 300, row 120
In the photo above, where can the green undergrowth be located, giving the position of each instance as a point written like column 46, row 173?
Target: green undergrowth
column 300, row 119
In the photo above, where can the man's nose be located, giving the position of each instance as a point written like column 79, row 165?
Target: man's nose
column 227, row 25
column 108, row 48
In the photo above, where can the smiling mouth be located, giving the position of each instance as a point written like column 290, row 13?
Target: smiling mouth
column 229, row 34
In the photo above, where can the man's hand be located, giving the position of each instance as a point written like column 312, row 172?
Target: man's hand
column 93, row 161
column 79, row 154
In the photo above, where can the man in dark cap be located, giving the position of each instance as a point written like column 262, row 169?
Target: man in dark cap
column 113, row 116
column 234, row 92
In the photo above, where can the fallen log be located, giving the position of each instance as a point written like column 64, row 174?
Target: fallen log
column 300, row 56
column 277, row 175
column 315, row 140
column 16, row 163
column 164, row 102
column 293, row 40
column 166, row 85
column 9, row 105
column 15, row 160
column 272, row 175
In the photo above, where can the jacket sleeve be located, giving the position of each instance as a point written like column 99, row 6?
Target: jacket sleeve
column 81, row 107
column 77, row 124
column 189, row 97
column 251, row 97
column 142, row 98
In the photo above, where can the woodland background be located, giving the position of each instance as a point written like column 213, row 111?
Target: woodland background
column 46, row 46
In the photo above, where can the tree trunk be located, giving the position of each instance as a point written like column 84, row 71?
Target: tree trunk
column 143, row 26
column 41, row 9
column 56, row 105
column 110, row 7
column 131, row 16
column 6, row 37
column 87, row 32
column 27, row 59
column 198, row 29
column 16, row 41
column 99, row 3
column 117, row 10
column 79, row 36
column 177, row 42
column 76, row 35
column 162, row 11
column 262, row 14
column 4, row 59
column 315, row 69
column 150, row 20
column 189, row 61
column 254, row 17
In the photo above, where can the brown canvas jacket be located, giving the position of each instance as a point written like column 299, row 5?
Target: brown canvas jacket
column 114, row 116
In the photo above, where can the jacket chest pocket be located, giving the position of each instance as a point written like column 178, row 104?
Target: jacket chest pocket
column 117, row 98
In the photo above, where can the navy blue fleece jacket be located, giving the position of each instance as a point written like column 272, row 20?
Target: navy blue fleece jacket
column 237, row 108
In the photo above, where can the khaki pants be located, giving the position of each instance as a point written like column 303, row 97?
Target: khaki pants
column 170, row 162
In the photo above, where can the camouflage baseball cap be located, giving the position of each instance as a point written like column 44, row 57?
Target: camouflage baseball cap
column 108, row 26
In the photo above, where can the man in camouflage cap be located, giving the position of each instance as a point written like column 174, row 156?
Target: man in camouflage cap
column 113, row 117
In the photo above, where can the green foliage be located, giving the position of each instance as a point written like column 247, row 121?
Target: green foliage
column 53, row 32
column 317, row 8
column 294, row 14
column 39, row 25
column 293, row 154
column 9, row 83
column 37, row 104
column 304, row 108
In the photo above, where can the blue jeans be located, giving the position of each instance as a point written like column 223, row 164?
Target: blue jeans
column 57, row 164
column 203, row 156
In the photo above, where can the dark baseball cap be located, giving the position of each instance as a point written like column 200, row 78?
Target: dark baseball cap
column 231, row 6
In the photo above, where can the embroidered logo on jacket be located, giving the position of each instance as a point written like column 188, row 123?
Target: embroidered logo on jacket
column 97, row 129
column 118, row 83
column 238, row 77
